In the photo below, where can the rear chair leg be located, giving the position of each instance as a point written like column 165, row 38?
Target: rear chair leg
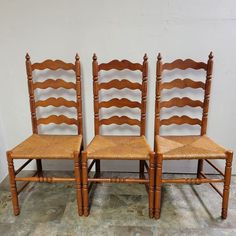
column 77, row 167
column 85, row 183
column 141, row 169
column 39, row 167
column 151, row 184
column 13, row 188
column 227, row 180
column 97, row 168
column 199, row 168
column 158, row 185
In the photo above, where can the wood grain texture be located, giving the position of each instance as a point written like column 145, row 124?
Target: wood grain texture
column 184, row 64
column 55, row 84
column 180, row 120
column 120, row 84
column 119, row 120
column 120, row 65
column 115, row 102
column 61, row 119
column 56, row 102
column 183, row 83
column 53, row 65
column 181, row 102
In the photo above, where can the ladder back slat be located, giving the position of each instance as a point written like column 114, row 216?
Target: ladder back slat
column 56, row 102
column 181, row 102
column 55, row 84
column 61, row 119
column 120, row 84
column 124, row 102
column 120, row 65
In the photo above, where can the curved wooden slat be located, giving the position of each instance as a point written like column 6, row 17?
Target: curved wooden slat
column 181, row 102
column 55, row 84
column 57, row 120
column 120, row 65
column 184, row 64
column 183, row 83
column 53, row 65
column 56, row 102
column 119, row 120
column 120, row 84
column 124, row 102
column 180, row 120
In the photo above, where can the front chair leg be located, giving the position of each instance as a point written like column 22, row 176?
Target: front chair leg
column 227, row 180
column 151, row 184
column 159, row 161
column 13, row 188
column 85, row 183
column 77, row 168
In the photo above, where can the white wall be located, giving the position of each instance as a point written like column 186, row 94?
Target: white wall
column 116, row 29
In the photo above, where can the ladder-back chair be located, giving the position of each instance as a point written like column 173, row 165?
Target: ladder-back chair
column 45, row 146
column 190, row 147
column 119, row 147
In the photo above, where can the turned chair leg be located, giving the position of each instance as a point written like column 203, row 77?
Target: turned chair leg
column 199, row 168
column 13, row 188
column 39, row 167
column 77, row 166
column 97, row 167
column 151, row 184
column 85, row 183
column 227, row 180
column 141, row 169
column 159, row 161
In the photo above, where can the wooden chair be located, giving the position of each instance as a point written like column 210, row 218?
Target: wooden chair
column 118, row 147
column 53, row 147
column 198, row 147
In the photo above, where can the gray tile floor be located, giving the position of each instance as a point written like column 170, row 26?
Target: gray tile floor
column 117, row 209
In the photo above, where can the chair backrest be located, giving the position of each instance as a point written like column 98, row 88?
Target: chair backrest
column 181, row 84
column 120, row 84
column 54, row 84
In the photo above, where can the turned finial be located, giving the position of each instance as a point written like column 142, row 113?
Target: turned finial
column 145, row 57
column 77, row 57
column 27, row 56
column 211, row 55
column 159, row 57
column 94, row 57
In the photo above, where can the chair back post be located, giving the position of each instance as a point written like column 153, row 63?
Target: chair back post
column 144, row 95
column 95, row 95
column 31, row 94
column 158, row 94
column 78, row 95
column 207, row 94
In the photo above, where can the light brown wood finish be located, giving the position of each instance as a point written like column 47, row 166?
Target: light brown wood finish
column 35, row 145
column 105, row 147
column 190, row 149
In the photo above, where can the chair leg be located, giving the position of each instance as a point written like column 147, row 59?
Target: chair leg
column 85, row 183
column 151, row 184
column 227, row 180
column 77, row 167
column 13, row 188
column 39, row 167
column 97, row 168
column 158, row 185
column 199, row 168
column 141, row 169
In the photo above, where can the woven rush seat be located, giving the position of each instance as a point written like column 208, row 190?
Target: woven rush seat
column 189, row 147
column 48, row 146
column 119, row 147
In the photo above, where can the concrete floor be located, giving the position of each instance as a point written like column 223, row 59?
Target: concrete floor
column 117, row 209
